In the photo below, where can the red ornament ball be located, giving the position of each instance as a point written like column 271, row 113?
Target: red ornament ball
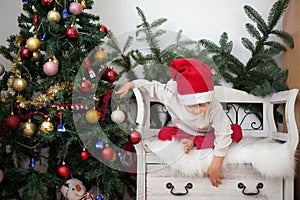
column 1, row 176
column 107, row 153
column 134, row 137
column 86, row 86
column 72, row 33
column 109, row 75
column 50, row 68
column 75, row 8
column 84, row 155
column 103, row 29
column 47, row 2
column 26, row 54
column 63, row 171
column 13, row 122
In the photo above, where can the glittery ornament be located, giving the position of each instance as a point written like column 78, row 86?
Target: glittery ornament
column 83, row 4
column 86, row 85
column 2, row 70
column 50, row 68
column 103, row 29
column 65, row 13
column 75, row 8
column 109, row 75
column 26, row 54
column 72, row 33
column 53, row 16
column 134, row 137
column 36, row 56
column 92, row 116
column 100, row 55
column 32, row 162
column 12, row 122
column 33, row 43
column 47, row 2
column 61, row 128
column 28, row 128
column 118, row 116
column 84, row 155
column 19, row 84
column 63, row 171
column 107, row 153
column 47, row 126
column 99, row 145
column 43, row 37
column 99, row 197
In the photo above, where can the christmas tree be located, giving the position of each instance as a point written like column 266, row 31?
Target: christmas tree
column 56, row 106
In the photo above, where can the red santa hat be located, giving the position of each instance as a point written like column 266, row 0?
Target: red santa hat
column 194, row 81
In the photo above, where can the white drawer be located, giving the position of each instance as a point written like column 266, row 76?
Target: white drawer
column 159, row 176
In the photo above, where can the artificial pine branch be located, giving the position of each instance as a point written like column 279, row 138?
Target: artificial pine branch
column 263, row 50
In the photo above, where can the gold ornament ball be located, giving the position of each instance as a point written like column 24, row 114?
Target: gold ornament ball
column 2, row 69
column 36, row 56
column 53, row 16
column 28, row 128
column 100, row 55
column 47, row 126
column 114, row 158
column 19, row 84
column 33, row 43
column 92, row 116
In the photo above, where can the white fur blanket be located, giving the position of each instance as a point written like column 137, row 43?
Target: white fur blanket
column 269, row 158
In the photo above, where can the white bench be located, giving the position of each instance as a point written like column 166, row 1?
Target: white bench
column 248, row 173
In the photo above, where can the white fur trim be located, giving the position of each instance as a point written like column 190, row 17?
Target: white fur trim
column 270, row 159
column 196, row 98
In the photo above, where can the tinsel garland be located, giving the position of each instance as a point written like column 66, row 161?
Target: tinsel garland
column 47, row 97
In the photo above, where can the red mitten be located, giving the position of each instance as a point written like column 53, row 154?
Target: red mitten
column 237, row 134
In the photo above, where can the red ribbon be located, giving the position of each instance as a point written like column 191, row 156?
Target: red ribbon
column 105, row 101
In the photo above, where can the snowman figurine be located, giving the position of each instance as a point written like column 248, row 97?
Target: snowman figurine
column 75, row 190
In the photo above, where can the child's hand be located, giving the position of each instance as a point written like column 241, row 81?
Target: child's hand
column 123, row 90
column 188, row 145
column 214, row 171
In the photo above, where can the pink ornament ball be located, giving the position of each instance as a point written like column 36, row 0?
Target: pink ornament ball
column 50, row 68
column 107, row 153
column 75, row 8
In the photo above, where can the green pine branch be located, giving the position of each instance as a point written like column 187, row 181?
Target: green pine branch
column 263, row 50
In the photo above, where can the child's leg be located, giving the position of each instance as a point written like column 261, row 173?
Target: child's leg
column 168, row 132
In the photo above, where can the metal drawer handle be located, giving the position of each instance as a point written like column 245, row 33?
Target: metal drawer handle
column 258, row 187
column 187, row 187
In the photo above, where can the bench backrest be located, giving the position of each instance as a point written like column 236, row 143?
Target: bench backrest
column 261, row 124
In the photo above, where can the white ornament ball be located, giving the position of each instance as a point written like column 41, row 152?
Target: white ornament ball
column 118, row 116
column 50, row 68
column 75, row 8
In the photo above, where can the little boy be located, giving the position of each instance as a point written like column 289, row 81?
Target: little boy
column 197, row 116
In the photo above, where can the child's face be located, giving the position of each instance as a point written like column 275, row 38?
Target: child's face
column 197, row 108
